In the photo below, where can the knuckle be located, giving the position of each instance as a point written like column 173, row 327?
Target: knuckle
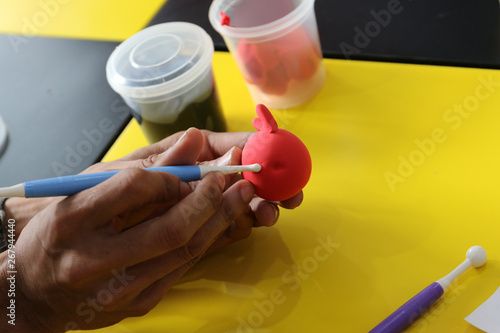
column 70, row 273
column 134, row 180
column 241, row 233
column 190, row 253
column 149, row 161
column 193, row 261
column 175, row 236
column 245, row 233
column 126, row 244
column 153, row 186
column 141, row 184
column 59, row 231
column 230, row 213
column 212, row 197
column 205, row 132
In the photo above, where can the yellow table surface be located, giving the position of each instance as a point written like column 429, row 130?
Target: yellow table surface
column 405, row 179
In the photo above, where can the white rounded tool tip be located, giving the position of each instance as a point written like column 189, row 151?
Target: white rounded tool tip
column 476, row 255
column 255, row 167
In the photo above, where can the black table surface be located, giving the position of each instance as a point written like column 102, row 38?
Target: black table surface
column 443, row 32
column 62, row 116
column 60, row 112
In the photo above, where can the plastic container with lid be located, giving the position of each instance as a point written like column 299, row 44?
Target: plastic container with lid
column 164, row 73
column 276, row 46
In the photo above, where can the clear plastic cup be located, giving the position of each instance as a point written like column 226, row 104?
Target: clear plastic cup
column 164, row 73
column 276, row 46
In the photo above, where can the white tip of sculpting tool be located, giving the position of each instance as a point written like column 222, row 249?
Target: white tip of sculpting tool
column 228, row 169
column 252, row 167
column 13, row 191
column 476, row 256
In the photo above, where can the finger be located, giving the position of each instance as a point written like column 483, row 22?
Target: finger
column 217, row 144
column 155, row 148
column 239, row 229
column 184, row 152
column 127, row 300
column 263, row 213
column 235, row 203
column 293, row 202
column 132, row 217
column 266, row 212
column 126, row 191
column 148, row 298
column 175, row 228
column 213, row 146
column 231, row 157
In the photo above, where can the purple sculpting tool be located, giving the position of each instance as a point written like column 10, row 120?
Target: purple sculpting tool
column 411, row 310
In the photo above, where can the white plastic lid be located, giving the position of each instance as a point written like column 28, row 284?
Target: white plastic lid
column 289, row 21
column 163, row 59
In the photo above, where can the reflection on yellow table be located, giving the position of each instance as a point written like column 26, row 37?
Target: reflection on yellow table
column 404, row 182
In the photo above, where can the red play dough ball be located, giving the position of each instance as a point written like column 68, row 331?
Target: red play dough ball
column 285, row 160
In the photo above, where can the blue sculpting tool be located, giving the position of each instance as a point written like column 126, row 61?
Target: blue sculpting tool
column 68, row 185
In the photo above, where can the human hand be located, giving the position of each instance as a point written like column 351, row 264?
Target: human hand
column 204, row 147
column 184, row 148
column 69, row 250
column 114, row 250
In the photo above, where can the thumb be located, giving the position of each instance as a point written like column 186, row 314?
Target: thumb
column 184, row 152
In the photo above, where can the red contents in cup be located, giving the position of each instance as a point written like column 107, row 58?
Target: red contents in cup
column 224, row 19
column 272, row 64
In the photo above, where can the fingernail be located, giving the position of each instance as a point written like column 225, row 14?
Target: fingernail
column 247, row 191
column 276, row 213
column 182, row 137
column 226, row 159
